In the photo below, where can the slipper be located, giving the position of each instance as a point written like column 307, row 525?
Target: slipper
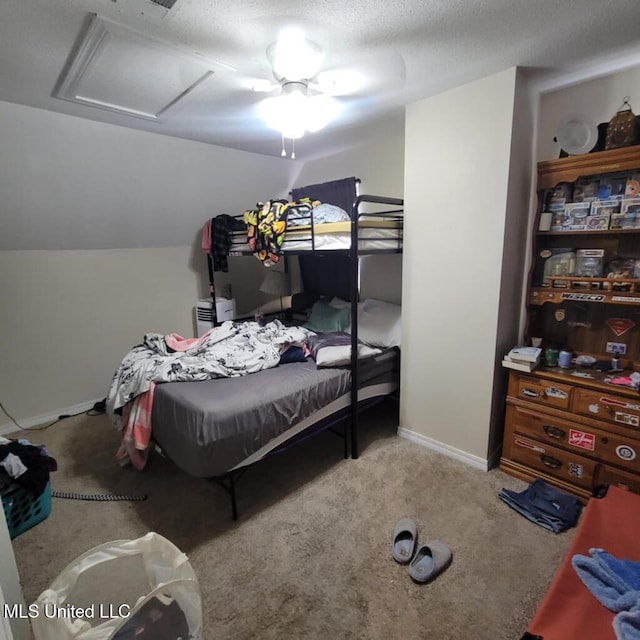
column 430, row 560
column 404, row 540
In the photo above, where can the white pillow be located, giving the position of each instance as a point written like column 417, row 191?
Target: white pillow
column 340, row 355
column 379, row 323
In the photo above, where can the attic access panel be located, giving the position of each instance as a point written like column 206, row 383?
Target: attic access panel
column 124, row 71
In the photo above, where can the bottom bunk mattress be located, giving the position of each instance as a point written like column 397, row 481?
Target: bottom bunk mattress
column 208, row 428
column 569, row 610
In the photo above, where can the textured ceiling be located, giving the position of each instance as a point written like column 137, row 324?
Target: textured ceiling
column 406, row 50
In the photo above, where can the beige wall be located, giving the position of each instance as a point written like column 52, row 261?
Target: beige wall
column 120, row 214
column 597, row 99
column 379, row 163
column 72, row 315
column 457, row 178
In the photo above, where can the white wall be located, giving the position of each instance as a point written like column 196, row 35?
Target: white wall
column 100, row 229
column 457, row 177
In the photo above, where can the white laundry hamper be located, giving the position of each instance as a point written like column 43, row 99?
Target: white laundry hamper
column 142, row 589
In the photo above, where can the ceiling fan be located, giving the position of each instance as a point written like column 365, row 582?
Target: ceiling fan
column 306, row 96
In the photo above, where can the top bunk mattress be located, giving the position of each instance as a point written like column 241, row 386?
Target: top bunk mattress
column 373, row 235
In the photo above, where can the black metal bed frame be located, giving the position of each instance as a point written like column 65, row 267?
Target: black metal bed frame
column 348, row 415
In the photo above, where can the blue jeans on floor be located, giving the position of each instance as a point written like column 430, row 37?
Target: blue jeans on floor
column 544, row 505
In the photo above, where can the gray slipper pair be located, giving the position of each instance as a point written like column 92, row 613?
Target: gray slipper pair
column 425, row 563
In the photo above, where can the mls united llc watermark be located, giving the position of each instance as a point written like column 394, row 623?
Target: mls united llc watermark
column 51, row 610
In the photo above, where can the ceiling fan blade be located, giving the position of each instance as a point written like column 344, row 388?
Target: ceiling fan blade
column 374, row 72
column 263, row 86
column 260, row 85
column 339, row 82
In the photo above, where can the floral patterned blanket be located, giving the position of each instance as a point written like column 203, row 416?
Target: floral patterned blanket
column 231, row 349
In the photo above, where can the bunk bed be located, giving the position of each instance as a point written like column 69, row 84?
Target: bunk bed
column 217, row 428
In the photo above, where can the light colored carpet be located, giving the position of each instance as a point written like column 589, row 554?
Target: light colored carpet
column 310, row 555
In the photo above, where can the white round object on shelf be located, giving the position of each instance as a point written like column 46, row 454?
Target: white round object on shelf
column 577, row 134
column 585, row 361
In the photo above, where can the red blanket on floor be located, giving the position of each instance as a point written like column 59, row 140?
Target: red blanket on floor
column 569, row 610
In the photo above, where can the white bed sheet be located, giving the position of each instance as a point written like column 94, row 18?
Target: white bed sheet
column 377, row 238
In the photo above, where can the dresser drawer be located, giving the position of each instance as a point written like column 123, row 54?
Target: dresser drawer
column 608, row 406
column 617, row 478
column 570, row 434
column 552, row 461
column 546, row 392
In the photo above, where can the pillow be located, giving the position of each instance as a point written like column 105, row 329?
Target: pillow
column 326, row 212
column 379, row 323
column 324, row 318
column 293, row 354
column 340, row 356
column 334, row 349
column 339, row 303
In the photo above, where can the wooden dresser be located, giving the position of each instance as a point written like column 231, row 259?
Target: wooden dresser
column 575, row 433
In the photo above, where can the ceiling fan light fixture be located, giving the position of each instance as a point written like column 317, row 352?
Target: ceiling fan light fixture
column 294, row 57
column 294, row 111
column 321, row 109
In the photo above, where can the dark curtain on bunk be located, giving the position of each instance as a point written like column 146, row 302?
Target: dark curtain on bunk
column 327, row 275
column 341, row 193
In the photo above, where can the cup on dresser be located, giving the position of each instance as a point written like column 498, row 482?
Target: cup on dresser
column 551, row 356
column 564, row 359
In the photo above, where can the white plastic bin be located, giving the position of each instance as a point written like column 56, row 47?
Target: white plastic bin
column 142, row 589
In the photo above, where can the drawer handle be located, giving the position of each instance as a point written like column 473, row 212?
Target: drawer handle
column 548, row 461
column 554, row 432
column 530, row 393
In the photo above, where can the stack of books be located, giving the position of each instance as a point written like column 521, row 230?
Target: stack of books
column 522, row 358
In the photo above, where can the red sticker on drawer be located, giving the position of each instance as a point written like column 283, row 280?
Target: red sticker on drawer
column 582, row 439
column 620, row 403
column 529, row 445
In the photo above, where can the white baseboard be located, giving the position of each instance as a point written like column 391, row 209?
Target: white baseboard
column 447, row 450
column 27, row 423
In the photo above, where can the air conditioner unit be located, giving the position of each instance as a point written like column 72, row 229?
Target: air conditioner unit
column 225, row 310
column 204, row 317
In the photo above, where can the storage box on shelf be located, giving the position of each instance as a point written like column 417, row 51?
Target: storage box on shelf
column 572, row 427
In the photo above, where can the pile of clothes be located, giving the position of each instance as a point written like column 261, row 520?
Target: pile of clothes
column 25, row 464
column 544, row 505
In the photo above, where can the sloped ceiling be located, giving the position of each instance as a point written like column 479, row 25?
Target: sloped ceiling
column 405, row 50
